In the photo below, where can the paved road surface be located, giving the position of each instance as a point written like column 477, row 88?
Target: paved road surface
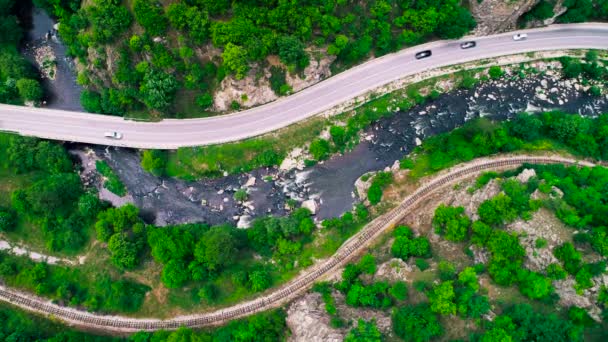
column 171, row 134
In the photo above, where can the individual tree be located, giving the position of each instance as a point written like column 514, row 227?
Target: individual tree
column 235, row 60
column 91, row 101
column 497, row 210
column 416, row 323
column 259, row 280
column 154, row 161
column 8, row 219
column 150, row 15
column 338, row 135
column 367, row 264
column 527, row 127
column 534, row 285
column 291, row 52
column 204, row 100
column 442, row 298
column 175, row 274
column 29, row 90
column 124, row 251
column 374, row 193
column 451, row 222
column 399, row 290
column 109, row 19
column 158, row 89
column 319, row 149
column 216, row 248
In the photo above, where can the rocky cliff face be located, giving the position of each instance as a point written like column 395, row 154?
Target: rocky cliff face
column 495, row 16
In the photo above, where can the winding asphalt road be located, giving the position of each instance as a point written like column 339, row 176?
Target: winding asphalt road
column 172, row 134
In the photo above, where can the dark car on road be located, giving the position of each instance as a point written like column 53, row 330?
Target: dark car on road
column 423, row 54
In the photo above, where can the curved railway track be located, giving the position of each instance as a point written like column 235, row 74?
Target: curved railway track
column 292, row 289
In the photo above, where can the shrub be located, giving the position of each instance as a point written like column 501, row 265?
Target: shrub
column 154, row 161
column 399, row 290
column 29, row 90
column 319, row 148
column 8, row 219
column 422, row 264
column 451, row 222
column 495, row 72
column 416, row 323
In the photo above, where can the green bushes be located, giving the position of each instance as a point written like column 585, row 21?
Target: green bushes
column 8, row 219
column 51, row 199
column 365, row 331
column 583, row 136
column 495, row 72
column 17, row 79
column 524, row 323
column 71, row 286
column 154, row 161
column 111, row 182
column 452, row 223
column 278, row 83
column 405, row 245
column 417, row 323
column 381, row 180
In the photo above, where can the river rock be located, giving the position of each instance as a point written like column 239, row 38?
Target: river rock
column 310, row 205
column 244, row 222
column 363, row 185
column 250, row 182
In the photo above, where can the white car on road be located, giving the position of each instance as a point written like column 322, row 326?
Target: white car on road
column 113, row 135
column 520, row 36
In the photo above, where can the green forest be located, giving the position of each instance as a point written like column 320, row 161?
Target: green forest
column 19, row 82
column 154, row 47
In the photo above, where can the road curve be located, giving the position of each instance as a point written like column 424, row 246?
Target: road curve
column 292, row 289
column 171, row 133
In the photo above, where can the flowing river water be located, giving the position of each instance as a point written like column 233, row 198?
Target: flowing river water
column 331, row 183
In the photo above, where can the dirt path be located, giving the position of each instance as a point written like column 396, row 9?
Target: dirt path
column 16, row 249
column 288, row 292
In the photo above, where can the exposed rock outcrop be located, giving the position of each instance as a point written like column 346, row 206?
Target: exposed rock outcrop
column 309, row 322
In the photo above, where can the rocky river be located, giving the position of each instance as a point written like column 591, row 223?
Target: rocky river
column 328, row 187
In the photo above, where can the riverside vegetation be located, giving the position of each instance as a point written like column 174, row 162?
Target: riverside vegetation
column 344, row 129
column 19, row 83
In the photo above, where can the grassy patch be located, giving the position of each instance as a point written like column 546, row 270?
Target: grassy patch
column 242, row 156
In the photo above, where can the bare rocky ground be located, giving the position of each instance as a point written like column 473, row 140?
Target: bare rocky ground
column 495, row 16
column 309, row 321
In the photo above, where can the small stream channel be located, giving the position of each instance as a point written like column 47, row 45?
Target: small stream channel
column 62, row 91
